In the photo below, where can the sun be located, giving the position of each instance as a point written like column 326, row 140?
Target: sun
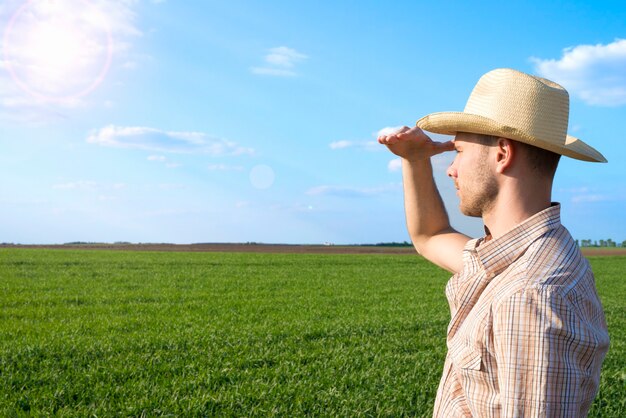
column 58, row 50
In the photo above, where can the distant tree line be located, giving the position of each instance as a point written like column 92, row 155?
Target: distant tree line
column 394, row 244
column 600, row 243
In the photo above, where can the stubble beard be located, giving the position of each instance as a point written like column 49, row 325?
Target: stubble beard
column 479, row 197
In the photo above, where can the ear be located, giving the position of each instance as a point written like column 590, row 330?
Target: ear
column 505, row 154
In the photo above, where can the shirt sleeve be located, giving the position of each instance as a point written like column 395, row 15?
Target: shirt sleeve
column 544, row 354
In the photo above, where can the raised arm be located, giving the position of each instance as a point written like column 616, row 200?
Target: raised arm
column 426, row 217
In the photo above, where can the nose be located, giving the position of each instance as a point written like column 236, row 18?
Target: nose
column 451, row 171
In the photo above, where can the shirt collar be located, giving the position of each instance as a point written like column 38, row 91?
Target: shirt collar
column 497, row 254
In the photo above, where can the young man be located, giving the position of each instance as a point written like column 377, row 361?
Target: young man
column 527, row 335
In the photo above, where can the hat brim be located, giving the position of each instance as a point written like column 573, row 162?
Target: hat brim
column 449, row 123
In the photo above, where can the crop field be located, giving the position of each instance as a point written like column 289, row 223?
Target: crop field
column 127, row 333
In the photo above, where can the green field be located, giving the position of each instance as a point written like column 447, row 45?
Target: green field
column 106, row 333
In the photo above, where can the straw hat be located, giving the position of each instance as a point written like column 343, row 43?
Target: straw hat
column 511, row 104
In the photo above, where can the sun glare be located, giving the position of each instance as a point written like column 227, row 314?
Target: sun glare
column 57, row 50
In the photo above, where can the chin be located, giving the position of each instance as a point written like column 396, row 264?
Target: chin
column 471, row 212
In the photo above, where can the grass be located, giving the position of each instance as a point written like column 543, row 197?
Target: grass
column 105, row 333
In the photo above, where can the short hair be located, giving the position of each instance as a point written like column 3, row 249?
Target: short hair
column 541, row 160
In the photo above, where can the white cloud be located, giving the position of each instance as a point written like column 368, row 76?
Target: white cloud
column 588, row 198
column 164, row 160
column 159, row 158
column 281, row 62
column 284, row 57
column 172, row 186
column 586, row 194
column 129, row 65
column 77, row 185
column 88, row 185
column 151, row 139
column 346, row 191
column 278, row 72
column 594, row 73
column 364, row 145
column 574, row 190
column 340, row 144
column 395, row 165
column 224, row 167
column 371, row 145
column 388, row 130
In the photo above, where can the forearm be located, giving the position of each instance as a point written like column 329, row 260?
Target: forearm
column 426, row 215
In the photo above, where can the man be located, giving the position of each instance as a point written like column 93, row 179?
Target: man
column 527, row 335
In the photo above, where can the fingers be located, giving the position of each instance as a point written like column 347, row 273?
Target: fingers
column 392, row 138
column 414, row 131
column 445, row 146
column 412, row 143
column 440, row 147
column 387, row 139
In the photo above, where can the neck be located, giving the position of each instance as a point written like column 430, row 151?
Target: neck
column 514, row 205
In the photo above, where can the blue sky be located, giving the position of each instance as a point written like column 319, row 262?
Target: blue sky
column 183, row 122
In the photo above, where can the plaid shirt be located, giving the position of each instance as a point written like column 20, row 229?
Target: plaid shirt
column 527, row 335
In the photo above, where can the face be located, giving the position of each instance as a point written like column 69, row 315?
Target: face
column 474, row 180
